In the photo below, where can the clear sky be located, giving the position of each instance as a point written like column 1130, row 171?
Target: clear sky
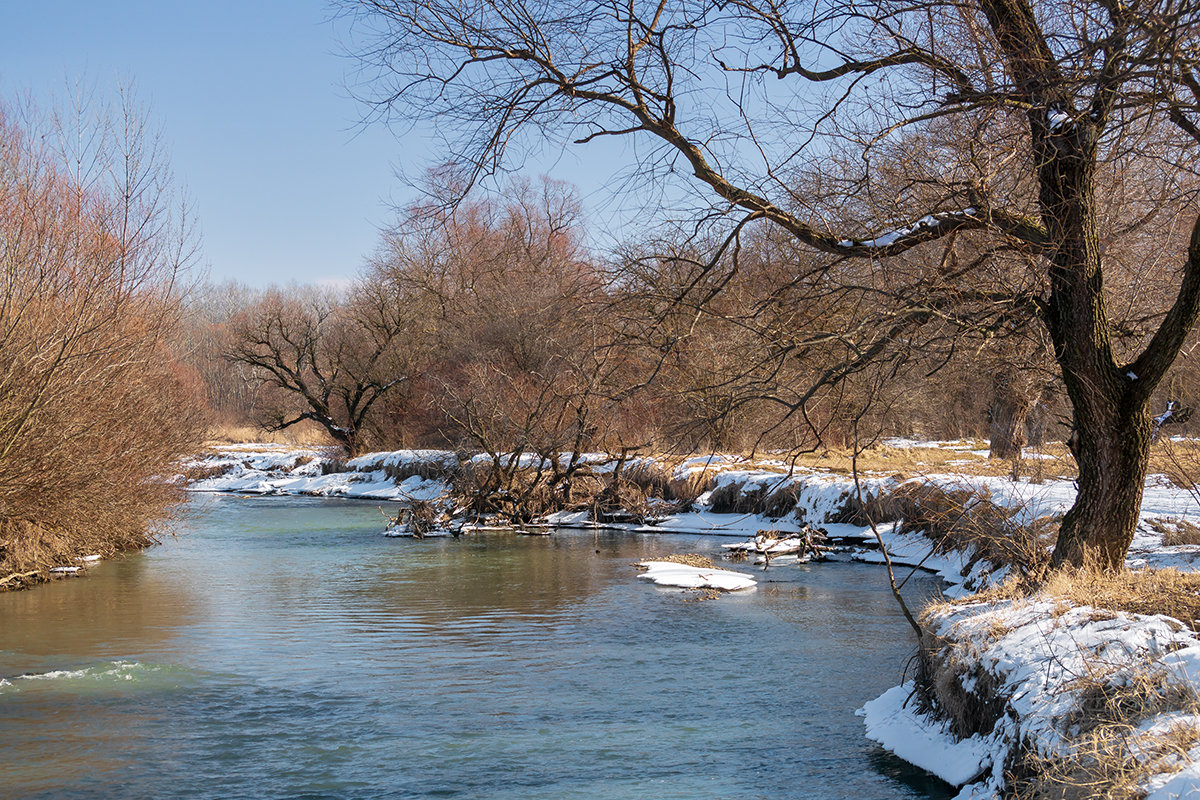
column 285, row 184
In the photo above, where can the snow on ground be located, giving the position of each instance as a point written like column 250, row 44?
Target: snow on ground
column 266, row 469
column 1040, row 665
column 821, row 497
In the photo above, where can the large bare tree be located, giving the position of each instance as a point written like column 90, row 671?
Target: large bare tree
column 880, row 133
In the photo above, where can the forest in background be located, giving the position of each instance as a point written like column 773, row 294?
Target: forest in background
column 492, row 327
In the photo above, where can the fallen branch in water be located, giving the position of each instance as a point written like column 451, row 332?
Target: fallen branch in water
column 19, row 576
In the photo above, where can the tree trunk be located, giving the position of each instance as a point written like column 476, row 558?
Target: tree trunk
column 347, row 437
column 1037, row 423
column 1011, row 405
column 1113, row 458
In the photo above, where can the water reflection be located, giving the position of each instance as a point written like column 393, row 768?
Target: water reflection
column 124, row 605
column 281, row 647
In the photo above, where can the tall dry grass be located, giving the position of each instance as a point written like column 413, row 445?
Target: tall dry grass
column 303, row 434
column 1112, row 749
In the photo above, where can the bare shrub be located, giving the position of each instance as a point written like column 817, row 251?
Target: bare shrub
column 1181, row 464
column 970, row 521
column 515, row 495
column 960, row 519
column 421, row 517
column 94, row 410
column 622, row 500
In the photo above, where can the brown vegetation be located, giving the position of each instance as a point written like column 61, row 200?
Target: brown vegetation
column 687, row 559
column 1110, row 757
column 1023, row 166
column 1147, row 591
column 93, row 408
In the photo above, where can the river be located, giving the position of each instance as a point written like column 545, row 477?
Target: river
column 280, row 647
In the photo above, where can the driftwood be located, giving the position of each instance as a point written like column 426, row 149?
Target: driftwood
column 21, row 576
column 807, row 544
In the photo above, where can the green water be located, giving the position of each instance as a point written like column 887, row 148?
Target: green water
column 280, row 647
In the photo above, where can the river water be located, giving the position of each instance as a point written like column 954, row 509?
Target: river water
column 280, row 647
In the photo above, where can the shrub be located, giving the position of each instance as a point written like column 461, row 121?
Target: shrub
column 94, row 410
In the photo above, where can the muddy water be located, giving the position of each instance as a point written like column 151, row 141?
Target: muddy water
column 280, row 647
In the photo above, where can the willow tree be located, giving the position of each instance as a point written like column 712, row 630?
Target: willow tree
column 94, row 407
column 877, row 133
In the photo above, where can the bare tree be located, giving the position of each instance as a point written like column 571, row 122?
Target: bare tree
column 509, row 300
column 333, row 358
column 1003, row 115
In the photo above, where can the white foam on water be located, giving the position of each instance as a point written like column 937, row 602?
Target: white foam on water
column 122, row 670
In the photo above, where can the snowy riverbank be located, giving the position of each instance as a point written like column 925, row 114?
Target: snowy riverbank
column 1020, row 660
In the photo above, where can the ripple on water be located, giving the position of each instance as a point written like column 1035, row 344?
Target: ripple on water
column 282, row 648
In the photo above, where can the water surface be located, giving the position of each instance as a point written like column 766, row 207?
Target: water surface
column 280, row 647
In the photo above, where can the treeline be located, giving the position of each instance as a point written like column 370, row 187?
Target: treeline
column 491, row 326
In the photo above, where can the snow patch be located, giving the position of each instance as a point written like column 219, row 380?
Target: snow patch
column 668, row 573
column 893, row 722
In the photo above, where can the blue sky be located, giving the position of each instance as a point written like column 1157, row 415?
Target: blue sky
column 285, row 184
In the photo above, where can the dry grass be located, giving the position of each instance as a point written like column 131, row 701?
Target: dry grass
column 1110, row 758
column 963, row 459
column 1180, row 461
column 203, row 472
column 1111, row 755
column 946, row 671
column 1143, row 591
column 304, row 434
column 1175, row 531
column 1150, row 591
column 688, row 559
column 962, row 519
column 768, row 500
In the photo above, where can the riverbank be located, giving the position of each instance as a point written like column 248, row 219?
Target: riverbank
column 1006, row 698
